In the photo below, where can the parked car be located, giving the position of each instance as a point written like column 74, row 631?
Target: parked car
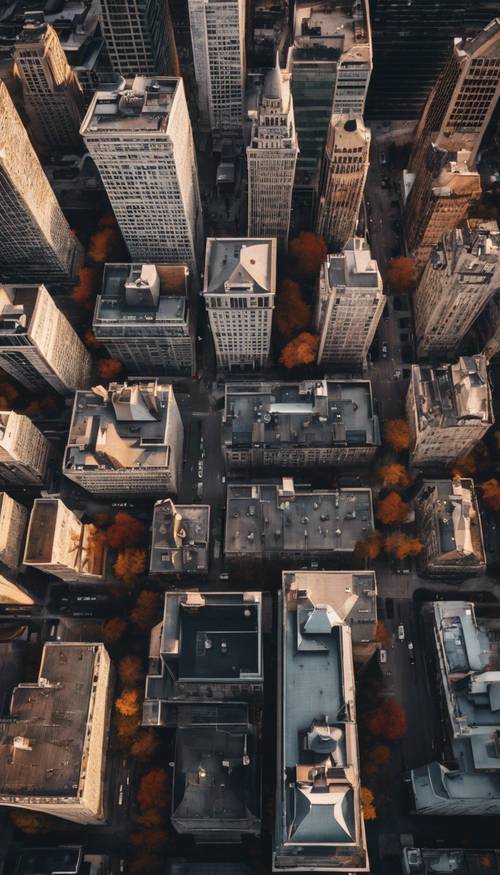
column 385, row 350
column 383, row 656
column 401, row 633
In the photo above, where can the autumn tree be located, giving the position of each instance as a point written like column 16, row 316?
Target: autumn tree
column 401, row 276
column 368, row 808
column 292, row 314
column 401, row 545
column 153, row 792
column 113, row 629
column 127, row 728
column 129, row 565
column 46, row 406
column 394, row 474
column 388, row 720
column 309, row 251
column 145, row 864
column 90, row 340
column 28, row 822
column 125, row 531
column 85, row 290
column 392, row 509
column 491, row 493
column 129, row 703
column 101, row 243
column 130, row 670
column 397, row 434
column 145, row 610
column 109, row 368
column 471, row 462
column 145, row 745
column 300, row 351
column 371, row 547
column 382, row 634
column 152, row 839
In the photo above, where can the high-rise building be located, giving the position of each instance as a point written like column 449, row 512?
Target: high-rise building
column 239, row 289
column 38, row 346
column 459, row 279
column 146, row 317
column 24, row 451
column 36, row 242
column 350, row 303
column 218, row 39
column 139, row 37
column 127, row 438
column 13, row 522
column 60, row 544
column 342, row 181
column 52, row 95
column 140, row 138
column 448, row 409
column 271, row 159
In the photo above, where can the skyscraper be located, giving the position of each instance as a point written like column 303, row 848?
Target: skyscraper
column 59, row 543
column 36, row 243
column 218, row 38
column 239, row 290
column 271, row 159
column 460, row 277
column 350, row 304
column 140, row 138
column 139, row 36
column 343, row 177
column 52, row 95
column 24, row 450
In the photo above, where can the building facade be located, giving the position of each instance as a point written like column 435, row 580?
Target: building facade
column 311, row 424
column 140, row 138
column 139, row 37
column 271, row 159
column 461, row 276
column 52, row 95
column 13, row 522
column 239, row 290
column 60, row 544
column 349, row 305
column 24, row 451
column 180, row 536
column 36, row 242
column 448, row 410
column 38, row 346
column 342, row 181
column 127, row 438
column 146, row 317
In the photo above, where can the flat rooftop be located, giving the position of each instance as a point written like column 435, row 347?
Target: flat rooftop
column 314, row 413
column 17, row 305
column 354, row 267
column 241, row 263
column 139, row 105
column 113, row 306
column 332, row 24
column 42, row 530
column 265, row 518
column 179, row 537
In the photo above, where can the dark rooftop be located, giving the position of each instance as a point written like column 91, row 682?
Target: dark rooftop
column 219, row 641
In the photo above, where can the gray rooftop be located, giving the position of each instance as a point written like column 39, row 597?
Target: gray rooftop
column 240, row 264
column 136, row 106
column 432, row 861
column 17, row 304
column 269, row 518
column 456, row 520
column 136, row 294
column 354, row 267
column 453, row 394
column 180, row 537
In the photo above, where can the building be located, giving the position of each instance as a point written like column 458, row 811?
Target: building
column 319, row 821
column 180, row 538
column 66, row 859
column 271, row 159
column 311, row 424
column 239, row 289
column 13, row 521
column 128, row 438
column 205, row 678
column 218, row 40
column 38, row 346
column 140, row 138
column 269, row 31
column 36, row 242
column 490, row 327
column 342, row 181
column 139, row 37
column 60, row 544
column 278, row 521
column 449, row 526
column 52, row 94
column 349, row 306
column 65, row 712
column 24, row 451
column 461, row 276
column 448, row 409
column 146, row 317
column 431, row 861
column 467, row 781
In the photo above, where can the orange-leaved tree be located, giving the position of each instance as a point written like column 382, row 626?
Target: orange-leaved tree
column 371, row 547
column 309, row 251
column 90, row 340
column 145, row 745
column 153, row 790
column 388, row 720
column 397, row 434
column 394, row 474
column 113, row 629
column 401, row 276
column 153, row 839
column 130, row 670
column 129, row 565
column 125, row 531
column 292, row 313
column 28, row 822
column 367, row 806
column 145, row 610
column 392, row 509
column 86, row 288
column 101, row 243
column 109, row 368
column 300, row 351
column 401, row 545
column 382, row 634
column 129, row 703
column 145, row 864
column 491, row 493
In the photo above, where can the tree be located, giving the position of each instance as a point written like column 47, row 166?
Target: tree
column 101, row 243
column 388, row 720
column 28, row 822
column 491, row 493
column 300, row 351
column 394, row 474
column 371, row 546
column 397, row 434
column 130, row 670
column 109, row 368
column 392, row 509
column 127, row 728
column 113, row 629
column 145, row 745
column 468, row 465
column 129, row 565
column 46, row 406
column 125, row 531
column 85, row 290
column 366, row 796
column 145, row 610
column 309, row 252
column 150, row 818
column 401, row 545
column 292, row 314
column 154, row 839
column 382, row 634
column 90, row 340
column 401, row 276
column 146, row 864
column 129, row 703
column 153, row 792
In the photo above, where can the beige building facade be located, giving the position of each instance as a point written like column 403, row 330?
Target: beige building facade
column 24, row 450
column 60, row 544
column 13, row 522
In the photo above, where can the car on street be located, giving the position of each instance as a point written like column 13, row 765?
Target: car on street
column 385, row 350
column 401, row 633
column 383, row 159
column 120, row 795
column 383, row 656
column 200, row 470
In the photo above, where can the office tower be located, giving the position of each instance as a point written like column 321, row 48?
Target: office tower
column 54, row 741
column 52, row 95
column 448, row 410
column 318, row 771
column 36, row 242
column 24, row 451
column 126, row 439
column 218, row 39
column 271, row 159
column 449, row 526
column 342, row 181
column 459, row 279
column 13, row 521
column 139, row 136
column 239, row 289
column 38, row 346
column 146, row 317
column 139, row 37
column 180, row 535
column 311, row 424
column 60, row 544
column 350, row 303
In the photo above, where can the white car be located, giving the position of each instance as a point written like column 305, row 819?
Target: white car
column 383, row 656
column 401, row 633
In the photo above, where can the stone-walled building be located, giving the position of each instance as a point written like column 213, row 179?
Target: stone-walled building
column 24, row 451
column 60, row 544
